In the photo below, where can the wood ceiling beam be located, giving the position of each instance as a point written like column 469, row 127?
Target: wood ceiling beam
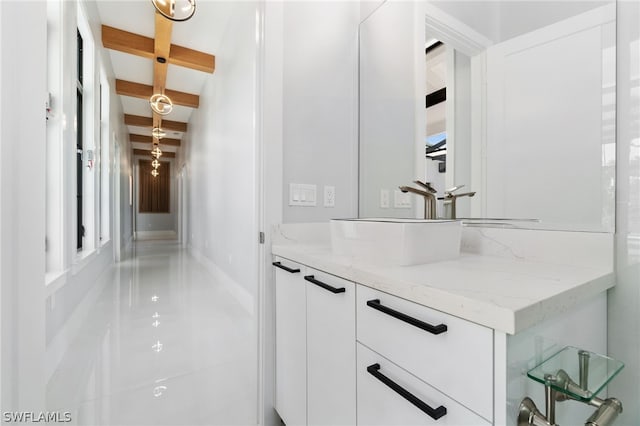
column 124, row 41
column 144, row 91
column 135, row 44
column 149, row 139
column 148, row 152
column 162, row 47
column 193, row 59
column 137, row 120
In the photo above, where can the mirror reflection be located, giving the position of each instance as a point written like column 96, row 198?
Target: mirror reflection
column 495, row 109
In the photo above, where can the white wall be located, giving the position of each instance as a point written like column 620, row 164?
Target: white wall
column 319, row 101
column 22, row 202
column 624, row 298
column 220, row 156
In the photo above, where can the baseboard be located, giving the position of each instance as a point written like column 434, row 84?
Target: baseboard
column 237, row 291
column 156, row 235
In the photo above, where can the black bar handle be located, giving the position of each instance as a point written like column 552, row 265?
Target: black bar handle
column 281, row 266
column 332, row 289
column 434, row 413
column 433, row 329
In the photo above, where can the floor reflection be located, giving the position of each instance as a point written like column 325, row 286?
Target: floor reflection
column 164, row 344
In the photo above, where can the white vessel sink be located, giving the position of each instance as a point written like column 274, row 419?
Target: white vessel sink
column 396, row 242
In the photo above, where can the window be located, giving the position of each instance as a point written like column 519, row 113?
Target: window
column 79, row 129
column 154, row 191
column 88, row 138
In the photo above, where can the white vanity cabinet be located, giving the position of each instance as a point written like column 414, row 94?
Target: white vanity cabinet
column 315, row 347
column 407, row 358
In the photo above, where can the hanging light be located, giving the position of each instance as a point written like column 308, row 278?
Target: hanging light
column 154, row 172
column 175, row 10
column 158, row 133
column 161, row 104
column 155, row 163
column 156, row 151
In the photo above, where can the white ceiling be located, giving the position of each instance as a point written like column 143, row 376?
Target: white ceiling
column 204, row 32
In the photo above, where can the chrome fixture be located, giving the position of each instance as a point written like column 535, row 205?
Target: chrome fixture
column 429, row 197
column 161, row 103
column 426, row 185
column 560, row 387
column 175, row 10
column 451, row 197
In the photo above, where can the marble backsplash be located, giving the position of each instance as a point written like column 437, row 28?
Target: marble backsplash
column 555, row 247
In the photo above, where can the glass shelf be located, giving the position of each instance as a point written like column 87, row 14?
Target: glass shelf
column 562, row 373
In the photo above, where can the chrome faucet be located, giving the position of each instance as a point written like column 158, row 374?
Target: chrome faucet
column 429, row 197
column 449, row 195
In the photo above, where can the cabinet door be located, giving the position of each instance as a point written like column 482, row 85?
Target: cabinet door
column 291, row 350
column 380, row 404
column 331, row 350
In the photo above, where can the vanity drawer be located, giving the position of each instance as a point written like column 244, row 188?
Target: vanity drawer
column 457, row 360
column 380, row 404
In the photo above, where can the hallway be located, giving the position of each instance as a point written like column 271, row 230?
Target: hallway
column 164, row 344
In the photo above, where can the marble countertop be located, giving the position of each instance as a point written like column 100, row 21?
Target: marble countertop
column 508, row 294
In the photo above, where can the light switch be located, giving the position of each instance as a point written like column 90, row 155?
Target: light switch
column 302, row 194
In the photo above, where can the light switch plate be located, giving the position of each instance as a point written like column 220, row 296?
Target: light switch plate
column 301, row 194
column 384, row 198
column 329, row 196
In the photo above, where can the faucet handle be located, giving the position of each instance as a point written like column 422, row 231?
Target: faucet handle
column 426, row 185
column 454, row 189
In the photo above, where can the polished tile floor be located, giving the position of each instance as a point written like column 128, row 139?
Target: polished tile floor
column 164, row 345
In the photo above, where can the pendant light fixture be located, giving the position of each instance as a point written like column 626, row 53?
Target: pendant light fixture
column 155, row 163
column 161, row 104
column 158, row 133
column 156, row 152
column 154, row 172
column 175, row 10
